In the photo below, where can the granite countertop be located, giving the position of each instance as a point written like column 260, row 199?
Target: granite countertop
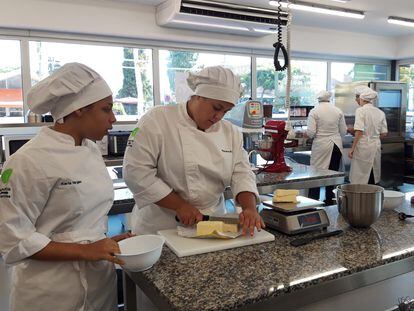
column 236, row 278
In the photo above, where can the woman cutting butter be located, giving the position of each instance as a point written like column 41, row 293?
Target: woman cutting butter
column 370, row 126
column 56, row 193
column 182, row 157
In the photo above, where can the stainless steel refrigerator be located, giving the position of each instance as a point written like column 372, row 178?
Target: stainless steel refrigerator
column 392, row 99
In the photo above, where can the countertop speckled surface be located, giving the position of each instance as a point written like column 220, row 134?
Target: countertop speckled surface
column 236, row 278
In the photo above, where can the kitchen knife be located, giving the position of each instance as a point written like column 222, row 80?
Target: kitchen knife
column 304, row 241
column 225, row 219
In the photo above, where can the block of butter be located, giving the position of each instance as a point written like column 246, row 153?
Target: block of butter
column 285, row 196
column 209, row 227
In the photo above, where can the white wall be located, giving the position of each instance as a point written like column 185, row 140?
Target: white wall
column 405, row 47
column 126, row 19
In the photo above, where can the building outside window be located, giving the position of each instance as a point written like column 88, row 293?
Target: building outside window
column 351, row 72
column 174, row 66
column 128, row 71
column 11, row 94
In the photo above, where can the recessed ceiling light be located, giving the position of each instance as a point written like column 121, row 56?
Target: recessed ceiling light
column 319, row 8
column 341, row 1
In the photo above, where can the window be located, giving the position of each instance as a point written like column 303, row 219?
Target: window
column 406, row 73
column 11, row 95
column 350, row 72
column 308, row 78
column 175, row 64
column 128, row 71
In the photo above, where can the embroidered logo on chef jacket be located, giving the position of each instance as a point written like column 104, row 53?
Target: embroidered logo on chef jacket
column 132, row 136
column 226, row 151
column 5, row 177
column 5, row 192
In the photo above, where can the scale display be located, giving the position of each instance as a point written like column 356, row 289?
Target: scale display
column 309, row 220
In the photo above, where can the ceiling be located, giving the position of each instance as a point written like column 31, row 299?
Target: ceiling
column 374, row 23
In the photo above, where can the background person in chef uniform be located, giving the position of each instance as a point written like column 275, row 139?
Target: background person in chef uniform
column 370, row 126
column 358, row 90
column 182, row 157
column 326, row 124
column 56, row 193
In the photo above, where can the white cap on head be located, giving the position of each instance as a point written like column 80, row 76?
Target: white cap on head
column 216, row 83
column 71, row 87
column 360, row 89
column 368, row 95
column 324, row 96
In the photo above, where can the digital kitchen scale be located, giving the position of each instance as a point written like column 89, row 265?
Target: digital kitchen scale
column 294, row 218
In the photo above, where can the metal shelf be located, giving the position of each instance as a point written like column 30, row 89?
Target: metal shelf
column 113, row 161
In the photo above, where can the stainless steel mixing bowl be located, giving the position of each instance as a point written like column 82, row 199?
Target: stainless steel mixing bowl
column 265, row 144
column 360, row 205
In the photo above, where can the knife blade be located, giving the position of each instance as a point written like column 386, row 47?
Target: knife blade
column 225, row 219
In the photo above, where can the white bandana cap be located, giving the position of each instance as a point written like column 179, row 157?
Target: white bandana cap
column 360, row 89
column 216, row 83
column 324, row 96
column 69, row 88
column 369, row 95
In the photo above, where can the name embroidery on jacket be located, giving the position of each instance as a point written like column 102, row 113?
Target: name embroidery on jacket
column 70, row 182
column 227, row 151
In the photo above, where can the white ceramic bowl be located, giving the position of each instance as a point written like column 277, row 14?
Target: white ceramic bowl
column 392, row 199
column 140, row 252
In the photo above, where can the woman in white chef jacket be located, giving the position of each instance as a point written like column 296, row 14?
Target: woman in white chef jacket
column 326, row 124
column 370, row 126
column 180, row 158
column 55, row 194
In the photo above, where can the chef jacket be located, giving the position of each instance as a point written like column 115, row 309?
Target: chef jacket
column 326, row 124
column 167, row 152
column 52, row 190
column 367, row 154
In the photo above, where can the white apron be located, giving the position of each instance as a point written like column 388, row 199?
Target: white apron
column 366, row 158
column 322, row 151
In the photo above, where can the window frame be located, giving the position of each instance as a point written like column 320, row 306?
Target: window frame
column 25, row 36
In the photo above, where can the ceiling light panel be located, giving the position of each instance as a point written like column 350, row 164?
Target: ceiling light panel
column 321, row 9
column 401, row 21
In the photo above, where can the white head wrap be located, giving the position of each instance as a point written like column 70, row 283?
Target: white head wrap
column 368, row 95
column 360, row 89
column 324, row 96
column 71, row 87
column 216, row 83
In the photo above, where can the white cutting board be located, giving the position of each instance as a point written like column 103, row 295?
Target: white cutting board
column 191, row 246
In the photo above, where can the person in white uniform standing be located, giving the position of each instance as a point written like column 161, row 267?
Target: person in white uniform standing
column 55, row 195
column 181, row 157
column 358, row 90
column 326, row 124
column 370, row 126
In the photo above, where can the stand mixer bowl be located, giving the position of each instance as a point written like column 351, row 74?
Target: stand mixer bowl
column 265, row 146
column 360, row 205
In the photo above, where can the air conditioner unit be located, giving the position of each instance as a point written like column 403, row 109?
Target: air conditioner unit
column 221, row 17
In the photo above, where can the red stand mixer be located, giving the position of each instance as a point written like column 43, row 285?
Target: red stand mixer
column 272, row 148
